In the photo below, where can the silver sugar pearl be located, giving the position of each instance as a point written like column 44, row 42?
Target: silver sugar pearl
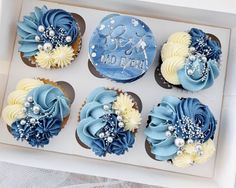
column 51, row 33
column 179, row 142
column 40, row 47
column 37, row 38
column 106, row 107
column 68, row 39
column 190, row 72
column 171, row 128
column 22, row 122
column 119, row 118
column 168, row 133
column 179, row 152
column 192, row 58
column 36, row 109
column 101, row 135
column 121, row 124
column 190, row 141
column 47, row 46
column 30, row 99
column 110, row 139
column 32, row 121
column 204, row 59
column 27, row 104
column 192, row 49
column 41, row 28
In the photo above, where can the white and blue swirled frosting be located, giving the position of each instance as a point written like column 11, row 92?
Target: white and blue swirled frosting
column 122, row 48
column 191, row 59
column 36, row 111
column 108, row 122
column 181, row 131
column 45, row 33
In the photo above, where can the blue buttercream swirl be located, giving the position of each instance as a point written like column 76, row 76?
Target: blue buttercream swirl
column 37, row 134
column 28, row 30
column 62, row 23
column 194, row 120
column 161, row 117
column 51, row 101
column 204, row 45
column 197, row 75
column 94, row 121
column 188, row 118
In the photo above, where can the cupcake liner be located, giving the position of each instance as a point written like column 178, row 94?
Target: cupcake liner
column 161, row 80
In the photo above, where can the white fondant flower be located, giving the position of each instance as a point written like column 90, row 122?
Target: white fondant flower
column 45, row 59
column 63, row 55
column 132, row 120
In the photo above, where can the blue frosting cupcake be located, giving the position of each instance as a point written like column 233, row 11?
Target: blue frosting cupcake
column 49, row 38
column 191, row 60
column 181, row 131
column 37, row 111
column 122, row 48
column 108, row 122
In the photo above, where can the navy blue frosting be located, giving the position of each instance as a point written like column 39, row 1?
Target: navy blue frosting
column 37, row 134
column 194, row 120
column 122, row 48
column 122, row 139
column 62, row 23
column 205, row 45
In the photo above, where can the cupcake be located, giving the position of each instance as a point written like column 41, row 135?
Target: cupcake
column 122, row 48
column 49, row 38
column 190, row 60
column 108, row 122
column 36, row 111
column 180, row 131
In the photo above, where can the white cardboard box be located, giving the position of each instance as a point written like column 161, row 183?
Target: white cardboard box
column 221, row 172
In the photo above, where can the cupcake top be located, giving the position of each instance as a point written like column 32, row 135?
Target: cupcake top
column 122, row 48
column 181, row 130
column 36, row 111
column 108, row 122
column 191, row 59
column 49, row 38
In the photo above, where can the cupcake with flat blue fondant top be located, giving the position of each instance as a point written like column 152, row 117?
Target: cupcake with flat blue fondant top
column 36, row 111
column 122, row 48
column 49, row 38
column 108, row 121
column 191, row 60
column 181, row 131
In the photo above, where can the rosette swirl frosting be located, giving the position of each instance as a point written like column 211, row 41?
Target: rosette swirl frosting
column 51, row 101
column 28, row 30
column 175, row 123
column 197, row 75
column 62, row 23
column 100, row 126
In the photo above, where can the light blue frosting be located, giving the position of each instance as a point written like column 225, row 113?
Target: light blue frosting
column 90, row 121
column 28, row 29
column 161, row 116
column 122, row 48
column 202, row 75
column 51, row 101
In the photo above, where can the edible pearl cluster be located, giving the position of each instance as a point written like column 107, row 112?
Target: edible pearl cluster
column 50, row 37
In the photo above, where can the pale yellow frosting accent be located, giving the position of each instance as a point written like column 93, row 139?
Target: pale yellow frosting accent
column 63, row 55
column 183, row 161
column 190, row 156
column 132, row 120
column 45, row 59
column 174, row 49
column 12, row 112
column 170, row 67
column 123, row 103
column 28, row 84
column 180, row 38
column 17, row 97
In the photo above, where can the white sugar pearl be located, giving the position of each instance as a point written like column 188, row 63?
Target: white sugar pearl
column 30, row 99
column 27, row 104
column 121, row 124
column 101, row 135
column 198, row 147
column 171, row 128
column 119, row 118
column 106, row 107
column 41, row 28
column 37, row 38
column 190, row 141
column 36, row 109
column 40, row 47
column 51, row 33
column 179, row 152
column 68, row 39
column 110, row 139
column 192, row 58
column 179, row 142
column 204, row 59
column 192, row 49
column 22, row 122
column 32, row 120
column 168, row 133
column 47, row 46
column 190, row 72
